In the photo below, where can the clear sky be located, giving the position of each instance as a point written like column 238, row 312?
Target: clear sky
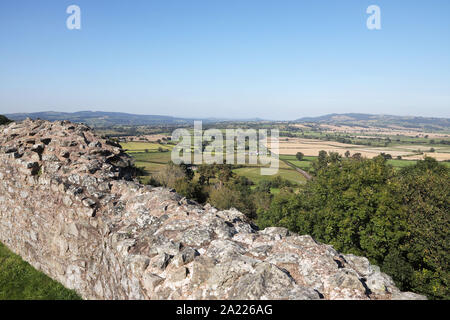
column 274, row 59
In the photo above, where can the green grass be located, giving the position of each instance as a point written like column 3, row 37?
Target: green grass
column 153, row 162
column 401, row 163
column 132, row 147
column 20, row 281
column 304, row 164
column 254, row 174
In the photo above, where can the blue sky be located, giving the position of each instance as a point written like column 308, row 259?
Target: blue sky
column 274, row 59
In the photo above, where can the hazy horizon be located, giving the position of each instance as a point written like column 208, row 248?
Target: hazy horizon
column 224, row 118
column 275, row 60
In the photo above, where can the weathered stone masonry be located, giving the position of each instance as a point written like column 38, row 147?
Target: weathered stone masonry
column 68, row 207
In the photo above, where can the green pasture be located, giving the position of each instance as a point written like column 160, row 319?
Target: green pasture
column 134, row 147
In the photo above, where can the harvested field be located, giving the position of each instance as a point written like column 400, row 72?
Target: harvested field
column 383, row 131
column 311, row 147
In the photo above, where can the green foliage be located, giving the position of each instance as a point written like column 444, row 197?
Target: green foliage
column 191, row 190
column 233, row 193
column 281, row 211
column 222, row 172
column 20, row 281
column 387, row 156
column 398, row 219
column 180, row 177
column 4, row 120
column 425, row 190
column 299, row 156
column 353, row 207
column 169, row 176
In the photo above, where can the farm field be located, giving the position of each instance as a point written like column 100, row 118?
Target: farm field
column 153, row 162
column 311, row 147
column 134, row 147
column 391, row 131
column 254, row 174
column 305, row 164
column 148, row 157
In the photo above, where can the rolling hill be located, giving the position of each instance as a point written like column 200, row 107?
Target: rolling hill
column 366, row 120
column 106, row 119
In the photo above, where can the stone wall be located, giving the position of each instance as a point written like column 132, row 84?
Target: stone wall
column 68, row 206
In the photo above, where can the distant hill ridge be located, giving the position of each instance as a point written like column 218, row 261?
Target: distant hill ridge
column 363, row 119
column 103, row 119
column 97, row 118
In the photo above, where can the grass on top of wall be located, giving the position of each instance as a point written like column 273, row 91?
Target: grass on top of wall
column 20, row 281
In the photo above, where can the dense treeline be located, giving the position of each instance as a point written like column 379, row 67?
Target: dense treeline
column 399, row 220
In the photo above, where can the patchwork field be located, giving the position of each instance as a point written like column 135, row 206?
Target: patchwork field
column 410, row 147
column 311, row 147
column 134, row 147
column 371, row 131
column 153, row 162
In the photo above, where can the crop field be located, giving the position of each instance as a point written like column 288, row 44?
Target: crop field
column 135, row 147
column 153, row 162
column 254, row 174
column 305, row 164
column 311, row 147
column 410, row 148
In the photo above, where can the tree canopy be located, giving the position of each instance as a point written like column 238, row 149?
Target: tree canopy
column 397, row 219
column 4, row 120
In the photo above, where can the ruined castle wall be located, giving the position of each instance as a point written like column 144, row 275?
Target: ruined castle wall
column 68, row 207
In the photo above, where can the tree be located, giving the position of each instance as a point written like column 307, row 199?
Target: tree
column 352, row 206
column 4, row 120
column 234, row 193
column 299, row 156
column 189, row 173
column 399, row 220
column 206, row 172
column 357, row 156
column 169, row 176
column 347, row 154
column 282, row 212
column 321, row 161
column 191, row 190
column 224, row 172
column 425, row 191
column 387, row 156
